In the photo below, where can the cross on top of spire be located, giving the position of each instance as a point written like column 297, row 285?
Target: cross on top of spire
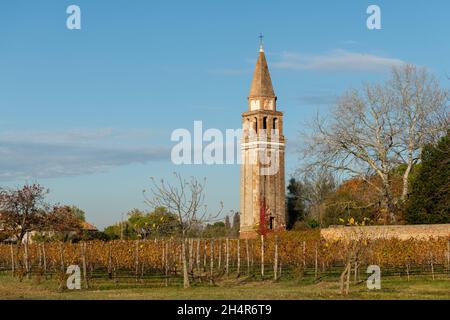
column 261, row 42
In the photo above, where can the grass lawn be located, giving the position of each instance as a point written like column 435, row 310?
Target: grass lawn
column 392, row 288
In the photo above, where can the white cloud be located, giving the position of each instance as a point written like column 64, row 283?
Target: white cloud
column 43, row 154
column 336, row 60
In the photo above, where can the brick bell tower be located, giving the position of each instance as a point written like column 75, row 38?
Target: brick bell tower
column 262, row 150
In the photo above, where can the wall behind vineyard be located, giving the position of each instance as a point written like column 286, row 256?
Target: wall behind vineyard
column 376, row 232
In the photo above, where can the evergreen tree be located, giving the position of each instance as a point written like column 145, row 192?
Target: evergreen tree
column 295, row 204
column 429, row 200
column 236, row 224
column 227, row 223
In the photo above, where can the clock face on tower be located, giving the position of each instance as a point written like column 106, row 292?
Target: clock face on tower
column 254, row 105
column 268, row 105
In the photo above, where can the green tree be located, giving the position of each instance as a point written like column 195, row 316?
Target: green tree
column 236, row 224
column 215, row 230
column 227, row 223
column 158, row 223
column 429, row 200
column 113, row 232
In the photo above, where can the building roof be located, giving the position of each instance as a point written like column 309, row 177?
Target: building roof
column 261, row 83
column 88, row 227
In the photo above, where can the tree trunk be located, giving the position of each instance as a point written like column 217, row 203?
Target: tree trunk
column 406, row 182
column 191, row 255
column 344, row 288
column 389, row 205
column 185, row 265
column 198, row 255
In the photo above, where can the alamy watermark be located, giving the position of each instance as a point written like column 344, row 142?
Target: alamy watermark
column 212, row 147
column 374, row 279
column 74, row 280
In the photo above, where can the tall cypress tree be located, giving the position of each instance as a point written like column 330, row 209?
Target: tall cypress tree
column 295, row 204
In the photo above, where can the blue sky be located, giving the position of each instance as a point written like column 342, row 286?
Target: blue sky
column 89, row 113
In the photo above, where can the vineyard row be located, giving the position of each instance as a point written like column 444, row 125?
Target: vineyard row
column 214, row 258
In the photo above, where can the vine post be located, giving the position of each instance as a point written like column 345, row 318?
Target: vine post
column 262, row 256
column 275, row 260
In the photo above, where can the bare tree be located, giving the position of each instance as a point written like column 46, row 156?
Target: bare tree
column 374, row 130
column 319, row 184
column 186, row 198
column 421, row 109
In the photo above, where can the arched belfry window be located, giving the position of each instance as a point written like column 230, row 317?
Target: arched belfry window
column 255, row 125
column 275, row 123
column 265, row 123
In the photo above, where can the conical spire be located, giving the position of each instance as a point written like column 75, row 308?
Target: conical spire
column 261, row 83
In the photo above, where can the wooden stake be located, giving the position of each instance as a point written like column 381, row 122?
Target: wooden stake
column 211, row 261
column 227, row 252
column 275, row 260
column 83, row 256
column 163, row 255
column 12, row 260
column 61, row 256
column 198, row 255
column 262, row 256
column 220, row 255
column 432, row 265
column 25, row 257
column 448, row 257
column 316, row 262
column 251, row 254
column 110, row 260
column 166, row 261
column 407, row 271
column 238, row 252
column 40, row 255
column 248, row 256
column 44, row 257
column 304, row 255
column 136, row 259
